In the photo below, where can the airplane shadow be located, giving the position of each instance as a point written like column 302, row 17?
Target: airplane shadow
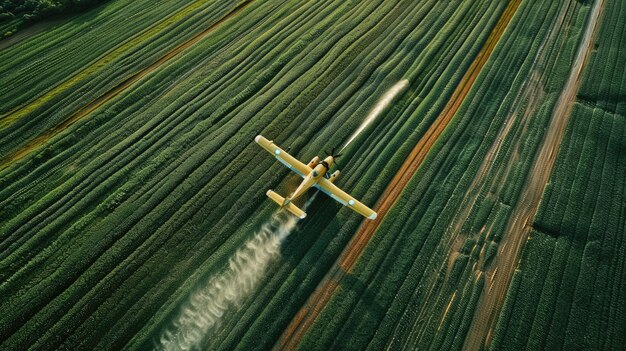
column 322, row 221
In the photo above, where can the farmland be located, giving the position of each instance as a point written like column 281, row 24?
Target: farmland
column 131, row 187
column 15, row 14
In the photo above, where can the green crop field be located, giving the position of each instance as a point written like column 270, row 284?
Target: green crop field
column 133, row 212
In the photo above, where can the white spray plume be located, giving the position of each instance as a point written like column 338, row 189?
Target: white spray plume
column 380, row 106
column 224, row 293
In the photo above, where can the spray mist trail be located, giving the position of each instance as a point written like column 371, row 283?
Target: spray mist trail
column 222, row 295
column 380, row 106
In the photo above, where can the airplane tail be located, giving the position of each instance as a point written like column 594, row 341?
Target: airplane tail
column 289, row 206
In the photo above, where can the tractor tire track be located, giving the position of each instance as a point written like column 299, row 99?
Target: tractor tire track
column 322, row 294
column 90, row 107
column 491, row 177
column 520, row 111
column 520, row 223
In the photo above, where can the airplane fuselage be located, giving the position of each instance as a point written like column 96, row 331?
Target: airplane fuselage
column 315, row 174
column 319, row 170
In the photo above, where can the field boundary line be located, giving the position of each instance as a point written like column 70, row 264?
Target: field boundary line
column 323, row 292
column 519, row 224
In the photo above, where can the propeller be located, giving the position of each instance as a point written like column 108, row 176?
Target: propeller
column 332, row 153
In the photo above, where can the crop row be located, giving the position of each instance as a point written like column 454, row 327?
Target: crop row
column 52, row 76
column 15, row 14
column 262, row 319
column 570, row 285
column 109, row 226
column 100, row 178
column 422, row 113
column 603, row 81
column 417, row 284
column 577, row 293
column 120, row 216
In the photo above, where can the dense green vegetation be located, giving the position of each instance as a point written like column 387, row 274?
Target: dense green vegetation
column 16, row 13
column 570, row 280
column 137, row 176
column 180, row 148
column 424, row 269
column 80, row 71
column 569, row 283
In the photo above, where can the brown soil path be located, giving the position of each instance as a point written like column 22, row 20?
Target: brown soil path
column 322, row 294
column 520, row 223
column 490, row 176
column 90, row 107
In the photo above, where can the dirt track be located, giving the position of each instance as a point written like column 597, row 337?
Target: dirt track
column 90, row 107
column 322, row 294
column 519, row 224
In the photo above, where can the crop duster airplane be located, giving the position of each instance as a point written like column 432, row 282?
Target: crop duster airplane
column 316, row 174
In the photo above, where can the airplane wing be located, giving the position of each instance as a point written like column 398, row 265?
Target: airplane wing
column 281, row 155
column 344, row 198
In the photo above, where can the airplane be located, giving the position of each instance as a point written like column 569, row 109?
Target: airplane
column 316, row 174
